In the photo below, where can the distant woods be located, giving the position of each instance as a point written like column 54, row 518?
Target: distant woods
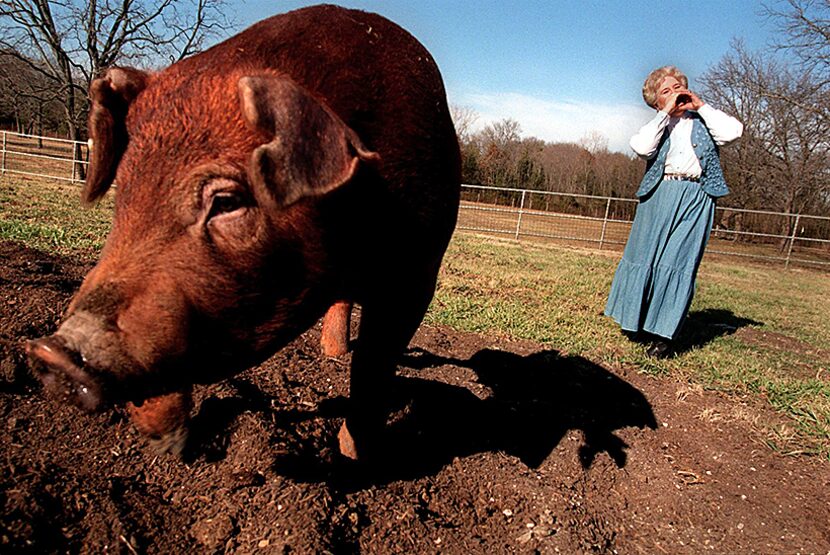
column 499, row 156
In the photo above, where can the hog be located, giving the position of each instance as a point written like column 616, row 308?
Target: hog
column 305, row 164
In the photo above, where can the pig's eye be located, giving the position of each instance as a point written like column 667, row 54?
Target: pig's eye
column 225, row 203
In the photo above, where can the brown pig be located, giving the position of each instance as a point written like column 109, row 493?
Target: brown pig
column 306, row 163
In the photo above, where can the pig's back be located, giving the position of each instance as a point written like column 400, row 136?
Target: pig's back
column 376, row 76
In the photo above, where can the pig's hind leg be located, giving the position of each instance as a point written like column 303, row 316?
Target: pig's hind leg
column 335, row 339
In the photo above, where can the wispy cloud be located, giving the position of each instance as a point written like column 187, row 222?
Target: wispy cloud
column 556, row 121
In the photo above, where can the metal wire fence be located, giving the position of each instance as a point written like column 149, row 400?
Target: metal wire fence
column 43, row 156
column 604, row 223
column 523, row 214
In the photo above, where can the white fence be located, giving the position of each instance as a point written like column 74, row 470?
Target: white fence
column 604, row 223
column 43, row 157
column 599, row 222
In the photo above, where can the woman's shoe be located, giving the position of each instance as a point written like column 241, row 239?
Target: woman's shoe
column 660, row 349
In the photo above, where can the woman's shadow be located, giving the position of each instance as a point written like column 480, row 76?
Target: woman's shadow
column 704, row 326
column 700, row 328
column 533, row 401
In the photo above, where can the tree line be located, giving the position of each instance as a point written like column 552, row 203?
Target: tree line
column 498, row 155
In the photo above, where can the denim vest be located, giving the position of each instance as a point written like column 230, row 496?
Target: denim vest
column 711, row 178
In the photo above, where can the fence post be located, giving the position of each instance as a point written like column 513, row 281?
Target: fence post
column 521, row 211
column 74, row 149
column 792, row 240
column 4, row 154
column 604, row 223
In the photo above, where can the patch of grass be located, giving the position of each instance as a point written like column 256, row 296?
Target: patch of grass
column 48, row 215
column 556, row 297
column 520, row 290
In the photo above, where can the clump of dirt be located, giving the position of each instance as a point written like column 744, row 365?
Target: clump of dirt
column 772, row 340
column 494, row 446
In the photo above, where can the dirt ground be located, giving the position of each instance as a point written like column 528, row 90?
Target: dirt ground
column 496, row 446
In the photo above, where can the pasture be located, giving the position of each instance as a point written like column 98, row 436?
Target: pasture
column 525, row 423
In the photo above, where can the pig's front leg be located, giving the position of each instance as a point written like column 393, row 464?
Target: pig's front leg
column 164, row 420
column 387, row 325
column 371, row 380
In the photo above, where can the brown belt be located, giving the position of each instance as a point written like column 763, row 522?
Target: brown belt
column 680, row 177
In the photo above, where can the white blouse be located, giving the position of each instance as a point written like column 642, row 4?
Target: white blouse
column 681, row 157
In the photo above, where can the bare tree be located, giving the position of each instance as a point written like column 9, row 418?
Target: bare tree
column 783, row 159
column 594, row 142
column 805, row 32
column 69, row 42
column 503, row 133
column 737, row 84
column 805, row 27
column 464, row 118
column 499, row 144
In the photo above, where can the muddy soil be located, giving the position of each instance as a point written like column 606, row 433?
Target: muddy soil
column 495, row 446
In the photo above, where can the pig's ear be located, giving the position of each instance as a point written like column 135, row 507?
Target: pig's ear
column 313, row 151
column 110, row 97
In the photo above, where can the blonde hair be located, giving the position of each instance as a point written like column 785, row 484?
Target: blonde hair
column 650, row 87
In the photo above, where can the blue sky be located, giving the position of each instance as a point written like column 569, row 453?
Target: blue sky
column 562, row 69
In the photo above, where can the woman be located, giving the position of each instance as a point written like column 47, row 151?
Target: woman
column 654, row 283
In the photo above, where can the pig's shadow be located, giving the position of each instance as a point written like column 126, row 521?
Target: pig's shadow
column 533, row 402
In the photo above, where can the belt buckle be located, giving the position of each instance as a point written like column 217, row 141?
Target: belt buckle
column 678, row 177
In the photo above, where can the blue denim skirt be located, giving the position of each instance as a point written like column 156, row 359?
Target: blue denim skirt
column 655, row 280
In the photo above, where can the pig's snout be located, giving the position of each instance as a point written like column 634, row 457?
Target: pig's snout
column 62, row 372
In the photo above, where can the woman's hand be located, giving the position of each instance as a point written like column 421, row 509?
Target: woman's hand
column 689, row 100
column 678, row 102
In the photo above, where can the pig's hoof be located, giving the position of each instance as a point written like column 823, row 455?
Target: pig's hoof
column 347, row 446
column 333, row 348
column 172, row 442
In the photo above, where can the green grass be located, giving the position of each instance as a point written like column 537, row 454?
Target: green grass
column 47, row 215
column 556, row 296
